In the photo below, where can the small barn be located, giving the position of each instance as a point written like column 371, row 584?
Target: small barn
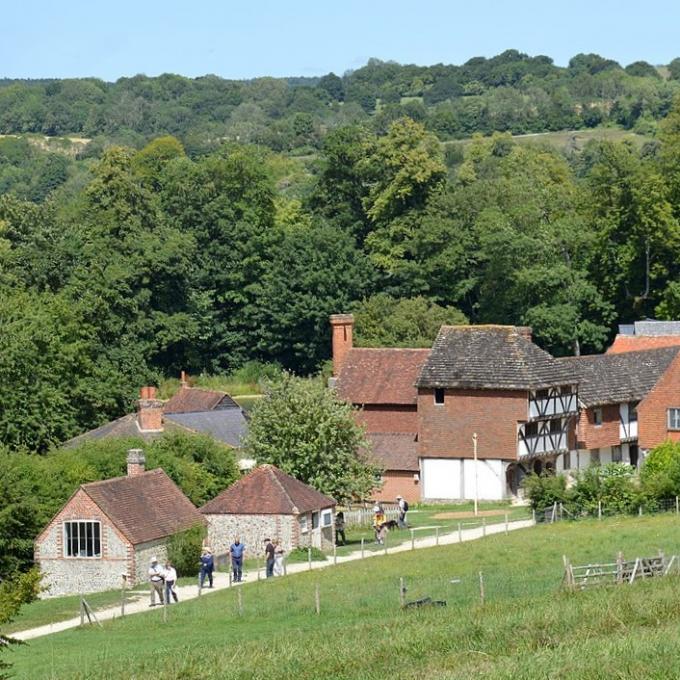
column 268, row 503
column 113, row 527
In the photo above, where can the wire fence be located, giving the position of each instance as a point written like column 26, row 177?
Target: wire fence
column 560, row 511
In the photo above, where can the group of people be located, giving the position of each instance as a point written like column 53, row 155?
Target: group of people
column 381, row 524
column 163, row 580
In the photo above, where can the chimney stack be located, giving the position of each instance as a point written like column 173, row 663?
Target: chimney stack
column 342, row 326
column 135, row 462
column 149, row 411
column 525, row 332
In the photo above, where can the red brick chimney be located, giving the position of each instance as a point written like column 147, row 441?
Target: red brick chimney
column 342, row 326
column 149, row 411
column 135, row 462
column 525, row 332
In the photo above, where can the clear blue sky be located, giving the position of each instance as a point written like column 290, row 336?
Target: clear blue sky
column 46, row 38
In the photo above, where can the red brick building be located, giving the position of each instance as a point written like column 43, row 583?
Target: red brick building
column 380, row 383
column 111, row 528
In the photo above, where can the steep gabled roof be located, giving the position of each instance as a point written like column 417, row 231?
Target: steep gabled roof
column 616, row 378
column 144, row 507
column 490, row 357
column 194, row 399
column 394, row 450
column 634, row 343
column 267, row 491
column 380, row 376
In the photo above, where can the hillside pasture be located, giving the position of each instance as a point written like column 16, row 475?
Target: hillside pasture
column 528, row 626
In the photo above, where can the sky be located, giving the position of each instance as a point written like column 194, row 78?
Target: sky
column 78, row 38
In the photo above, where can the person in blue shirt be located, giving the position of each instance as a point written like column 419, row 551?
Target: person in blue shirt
column 207, row 568
column 236, row 550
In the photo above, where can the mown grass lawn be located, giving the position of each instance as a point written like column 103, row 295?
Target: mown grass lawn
column 527, row 628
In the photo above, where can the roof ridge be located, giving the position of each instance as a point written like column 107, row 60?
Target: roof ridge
column 99, row 482
column 273, row 470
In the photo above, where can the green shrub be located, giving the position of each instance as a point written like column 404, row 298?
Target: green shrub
column 184, row 550
column 660, row 474
column 545, row 490
column 614, row 485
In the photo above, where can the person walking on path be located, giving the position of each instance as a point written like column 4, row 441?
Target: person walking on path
column 207, row 568
column 403, row 509
column 340, row 528
column 170, row 581
column 278, row 558
column 156, row 576
column 269, row 553
column 378, row 522
column 236, row 551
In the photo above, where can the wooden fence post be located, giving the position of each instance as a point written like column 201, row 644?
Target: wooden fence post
column 483, row 526
column 599, row 509
column 335, row 554
column 240, row 601
column 677, row 506
column 165, row 609
column 460, row 532
column 317, row 599
column 385, row 543
column 436, row 535
column 82, row 612
column 362, row 548
column 285, row 565
column 402, row 592
column 122, row 597
column 481, row 587
column 309, row 556
column 640, row 511
column 413, row 539
column 229, row 579
column 619, row 567
column 533, row 516
column 506, row 523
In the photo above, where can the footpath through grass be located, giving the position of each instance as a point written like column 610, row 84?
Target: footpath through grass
column 527, row 627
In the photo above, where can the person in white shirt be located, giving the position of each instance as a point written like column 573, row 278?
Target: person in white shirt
column 156, row 576
column 170, row 580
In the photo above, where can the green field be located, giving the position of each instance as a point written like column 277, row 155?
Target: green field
column 527, row 628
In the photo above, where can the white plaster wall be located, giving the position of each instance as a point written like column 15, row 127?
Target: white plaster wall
column 454, row 479
column 442, row 478
column 490, row 479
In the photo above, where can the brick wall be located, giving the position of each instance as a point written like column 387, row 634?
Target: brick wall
column 591, row 436
column 445, row 431
column 397, row 483
column 388, row 418
column 652, row 410
column 71, row 575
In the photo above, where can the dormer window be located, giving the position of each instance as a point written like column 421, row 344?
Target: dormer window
column 439, row 396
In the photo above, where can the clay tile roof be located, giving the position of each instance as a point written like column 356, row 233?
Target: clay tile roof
column 394, row 450
column 195, row 399
column 145, row 507
column 633, row 343
column 490, row 357
column 267, row 491
column 616, row 378
column 380, row 376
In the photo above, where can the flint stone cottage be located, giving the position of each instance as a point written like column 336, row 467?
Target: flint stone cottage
column 268, row 503
column 112, row 528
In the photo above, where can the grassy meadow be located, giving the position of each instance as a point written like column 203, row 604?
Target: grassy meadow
column 527, row 627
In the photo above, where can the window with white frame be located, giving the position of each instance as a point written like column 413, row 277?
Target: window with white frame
column 674, row 418
column 315, row 520
column 303, row 524
column 326, row 518
column 597, row 416
column 82, row 539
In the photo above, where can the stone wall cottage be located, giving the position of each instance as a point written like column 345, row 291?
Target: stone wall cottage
column 110, row 528
column 268, row 503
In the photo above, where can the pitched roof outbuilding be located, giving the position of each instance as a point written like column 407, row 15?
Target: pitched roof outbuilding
column 395, row 450
column 380, row 376
column 617, row 378
column 490, row 357
column 267, row 491
column 144, row 507
column 228, row 425
column 194, row 399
